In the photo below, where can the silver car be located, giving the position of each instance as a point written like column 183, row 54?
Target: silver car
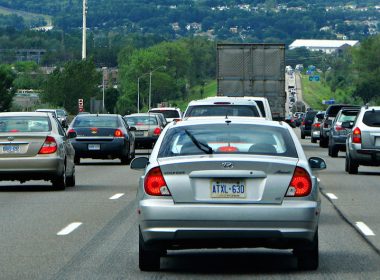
column 363, row 141
column 33, row 146
column 227, row 183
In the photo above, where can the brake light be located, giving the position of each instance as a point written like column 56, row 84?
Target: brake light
column 303, row 123
column 93, row 129
column 317, row 125
column 154, row 183
column 300, row 185
column 357, row 135
column 70, row 131
column 222, row 103
column 118, row 133
column 49, row 146
column 227, row 149
column 338, row 127
column 157, row 131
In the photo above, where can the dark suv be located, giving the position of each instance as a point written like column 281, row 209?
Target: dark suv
column 306, row 124
column 338, row 134
column 330, row 115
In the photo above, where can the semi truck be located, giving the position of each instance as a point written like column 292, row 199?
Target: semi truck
column 253, row 70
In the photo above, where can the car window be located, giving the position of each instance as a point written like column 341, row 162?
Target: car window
column 61, row 131
column 167, row 113
column 233, row 138
column 141, row 120
column 260, row 104
column 24, row 124
column 372, row 118
column 96, row 121
column 222, row 110
column 347, row 116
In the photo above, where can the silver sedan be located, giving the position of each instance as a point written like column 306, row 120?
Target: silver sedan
column 34, row 146
column 228, row 183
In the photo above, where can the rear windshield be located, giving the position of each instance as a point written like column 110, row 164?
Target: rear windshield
column 24, row 124
column 171, row 114
column 334, row 110
column 223, row 138
column 260, row 104
column 222, row 110
column 96, row 121
column 372, row 118
column 310, row 115
column 141, row 120
column 60, row 113
column 348, row 116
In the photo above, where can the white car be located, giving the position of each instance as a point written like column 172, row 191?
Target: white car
column 170, row 113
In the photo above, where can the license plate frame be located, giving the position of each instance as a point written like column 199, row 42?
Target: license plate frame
column 93, row 147
column 139, row 133
column 234, row 188
column 11, row 149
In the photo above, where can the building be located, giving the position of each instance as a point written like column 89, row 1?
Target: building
column 326, row 46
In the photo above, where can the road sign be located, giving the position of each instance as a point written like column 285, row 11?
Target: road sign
column 316, row 78
column 329, row 102
column 80, row 105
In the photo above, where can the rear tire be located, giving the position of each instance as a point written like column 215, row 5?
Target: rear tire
column 308, row 257
column 352, row 165
column 323, row 142
column 59, row 182
column 149, row 259
column 302, row 135
column 313, row 140
column 70, row 180
column 76, row 160
column 334, row 151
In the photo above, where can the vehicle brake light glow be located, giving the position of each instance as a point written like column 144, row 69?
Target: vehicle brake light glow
column 300, row 185
column 157, row 131
column 356, row 135
column 338, row 127
column 154, row 183
column 317, row 125
column 118, row 133
column 49, row 146
column 227, row 149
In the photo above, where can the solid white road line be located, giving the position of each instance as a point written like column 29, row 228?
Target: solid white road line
column 117, row 196
column 365, row 229
column 331, row 195
column 69, row 229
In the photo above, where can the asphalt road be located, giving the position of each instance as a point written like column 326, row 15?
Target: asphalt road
column 103, row 244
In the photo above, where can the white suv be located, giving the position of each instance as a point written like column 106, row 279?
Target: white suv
column 223, row 106
column 170, row 113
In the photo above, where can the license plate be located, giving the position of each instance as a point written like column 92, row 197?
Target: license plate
column 94, row 147
column 11, row 149
column 228, row 188
column 139, row 133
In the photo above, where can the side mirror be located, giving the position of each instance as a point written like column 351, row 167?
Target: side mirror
column 139, row 163
column 132, row 128
column 348, row 124
column 317, row 163
column 72, row 134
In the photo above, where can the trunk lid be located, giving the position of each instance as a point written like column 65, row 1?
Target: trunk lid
column 21, row 144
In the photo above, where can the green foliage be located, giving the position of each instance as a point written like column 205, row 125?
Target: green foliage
column 77, row 80
column 6, row 90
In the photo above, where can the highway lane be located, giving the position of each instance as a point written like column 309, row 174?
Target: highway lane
column 105, row 244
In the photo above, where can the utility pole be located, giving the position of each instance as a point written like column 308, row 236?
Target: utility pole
column 84, row 35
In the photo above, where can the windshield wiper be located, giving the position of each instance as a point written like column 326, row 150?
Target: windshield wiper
column 201, row 146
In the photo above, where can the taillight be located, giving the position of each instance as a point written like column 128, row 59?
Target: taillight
column 154, row 183
column 317, row 125
column 118, row 133
column 157, row 131
column 303, row 123
column 300, row 185
column 49, row 146
column 356, row 135
column 338, row 127
column 227, row 149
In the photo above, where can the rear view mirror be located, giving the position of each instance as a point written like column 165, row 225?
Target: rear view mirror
column 348, row 124
column 317, row 163
column 139, row 163
column 132, row 128
column 72, row 134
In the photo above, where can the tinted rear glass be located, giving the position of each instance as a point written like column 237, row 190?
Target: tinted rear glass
column 96, row 121
column 222, row 110
column 334, row 110
column 372, row 118
column 232, row 139
column 260, row 104
column 24, row 124
column 171, row 114
column 141, row 120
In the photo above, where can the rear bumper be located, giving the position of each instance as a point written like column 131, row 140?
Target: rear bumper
column 145, row 141
column 315, row 134
column 108, row 149
column 163, row 222
column 36, row 168
column 370, row 157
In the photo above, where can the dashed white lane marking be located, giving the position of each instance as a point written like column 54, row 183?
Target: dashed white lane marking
column 69, row 229
column 365, row 229
column 331, row 195
column 117, row 196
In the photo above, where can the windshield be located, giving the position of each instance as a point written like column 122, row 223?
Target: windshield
column 24, row 124
column 223, row 138
column 171, row 114
column 222, row 110
column 96, row 121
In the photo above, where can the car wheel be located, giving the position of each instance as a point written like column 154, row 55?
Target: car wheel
column 308, row 257
column 59, row 182
column 76, row 160
column 334, row 151
column 149, row 259
column 313, row 140
column 352, row 165
column 323, row 142
column 125, row 160
column 302, row 135
column 70, row 180
column 346, row 164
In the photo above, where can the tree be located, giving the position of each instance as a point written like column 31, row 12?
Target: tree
column 6, row 90
column 77, row 80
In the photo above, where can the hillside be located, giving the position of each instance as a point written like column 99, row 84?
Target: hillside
column 244, row 21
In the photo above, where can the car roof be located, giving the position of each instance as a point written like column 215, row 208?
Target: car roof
column 142, row 114
column 97, row 115
column 232, row 100
column 166, row 108
column 46, row 110
column 220, row 120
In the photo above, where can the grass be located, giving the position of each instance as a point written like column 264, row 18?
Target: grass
column 314, row 92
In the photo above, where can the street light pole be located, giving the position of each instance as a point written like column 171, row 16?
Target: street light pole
column 103, row 69
column 150, row 83
column 138, row 94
